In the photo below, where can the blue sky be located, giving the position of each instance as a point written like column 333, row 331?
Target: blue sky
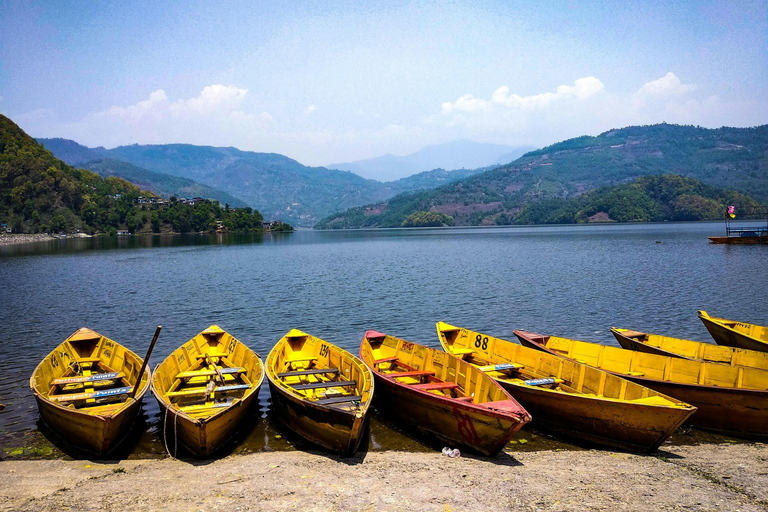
column 330, row 82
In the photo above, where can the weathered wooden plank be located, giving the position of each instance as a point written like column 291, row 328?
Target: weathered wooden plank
column 328, row 384
column 90, row 378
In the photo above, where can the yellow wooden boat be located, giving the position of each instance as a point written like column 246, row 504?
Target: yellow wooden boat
column 442, row 395
column 82, row 390
column 731, row 333
column 570, row 397
column 730, row 399
column 688, row 349
column 320, row 391
column 204, row 389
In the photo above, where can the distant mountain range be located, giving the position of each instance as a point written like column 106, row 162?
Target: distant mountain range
column 462, row 154
column 729, row 158
column 279, row 187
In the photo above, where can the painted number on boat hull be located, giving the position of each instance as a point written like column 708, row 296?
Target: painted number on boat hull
column 481, row 341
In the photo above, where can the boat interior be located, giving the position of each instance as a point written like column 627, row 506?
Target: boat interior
column 317, row 371
column 755, row 331
column 697, row 350
column 88, row 372
column 514, row 364
column 432, row 371
column 656, row 367
column 207, row 374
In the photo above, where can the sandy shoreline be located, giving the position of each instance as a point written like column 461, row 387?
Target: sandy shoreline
column 704, row 477
column 9, row 239
column 14, row 239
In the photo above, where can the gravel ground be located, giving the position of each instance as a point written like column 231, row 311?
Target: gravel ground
column 704, row 477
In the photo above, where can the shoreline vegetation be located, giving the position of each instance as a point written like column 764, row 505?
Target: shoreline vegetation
column 28, row 238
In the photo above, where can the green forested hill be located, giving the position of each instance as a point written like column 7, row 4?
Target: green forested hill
column 40, row 193
column 733, row 158
column 278, row 186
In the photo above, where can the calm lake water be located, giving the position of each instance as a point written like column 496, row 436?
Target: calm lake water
column 572, row 281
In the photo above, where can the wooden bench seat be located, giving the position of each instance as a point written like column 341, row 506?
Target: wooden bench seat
column 385, row 360
column 209, row 373
column 87, row 360
column 328, row 384
column 313, row 371
column 302, row 359
column 201, row 391
column 204, row 407
column 339, row 400
column 397, row 375
column 105, row 393
column 464, row 398
column 433, row 386
column 503, row 367
column 543, row 382
column 86, row 379
column 213, row 354
column 459, row 351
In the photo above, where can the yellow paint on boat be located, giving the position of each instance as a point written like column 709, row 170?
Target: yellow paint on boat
column 92, row 415
column 581, row 401
column 732, row 399
column 736, row 334
column 205, row 388
column 689, row 349
column 320, row 391
column 442, row 395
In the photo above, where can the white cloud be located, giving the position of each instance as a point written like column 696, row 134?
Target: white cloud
column 310, row 109
column 586, row 107
column 581, row 89
column 669, row 84
column 216, row 116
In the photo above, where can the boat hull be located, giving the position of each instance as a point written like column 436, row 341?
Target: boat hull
column 301, row 370
column 731, row 337
column 203, row 436
column 96, row 428
column 454, row 423
column 738, row 239
column 689, row 349
column 206, row 430
column 330, row 428
column 587, row 403
column 632, row 427
column 482, row 417
column 738, row 411
column 93, row 434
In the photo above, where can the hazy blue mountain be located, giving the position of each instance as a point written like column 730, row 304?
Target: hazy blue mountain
column 461, row 154
column 728, row 158
column 94, row 159
column 278, row 186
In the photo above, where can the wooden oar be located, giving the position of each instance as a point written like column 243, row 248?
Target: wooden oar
column 145, row 363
